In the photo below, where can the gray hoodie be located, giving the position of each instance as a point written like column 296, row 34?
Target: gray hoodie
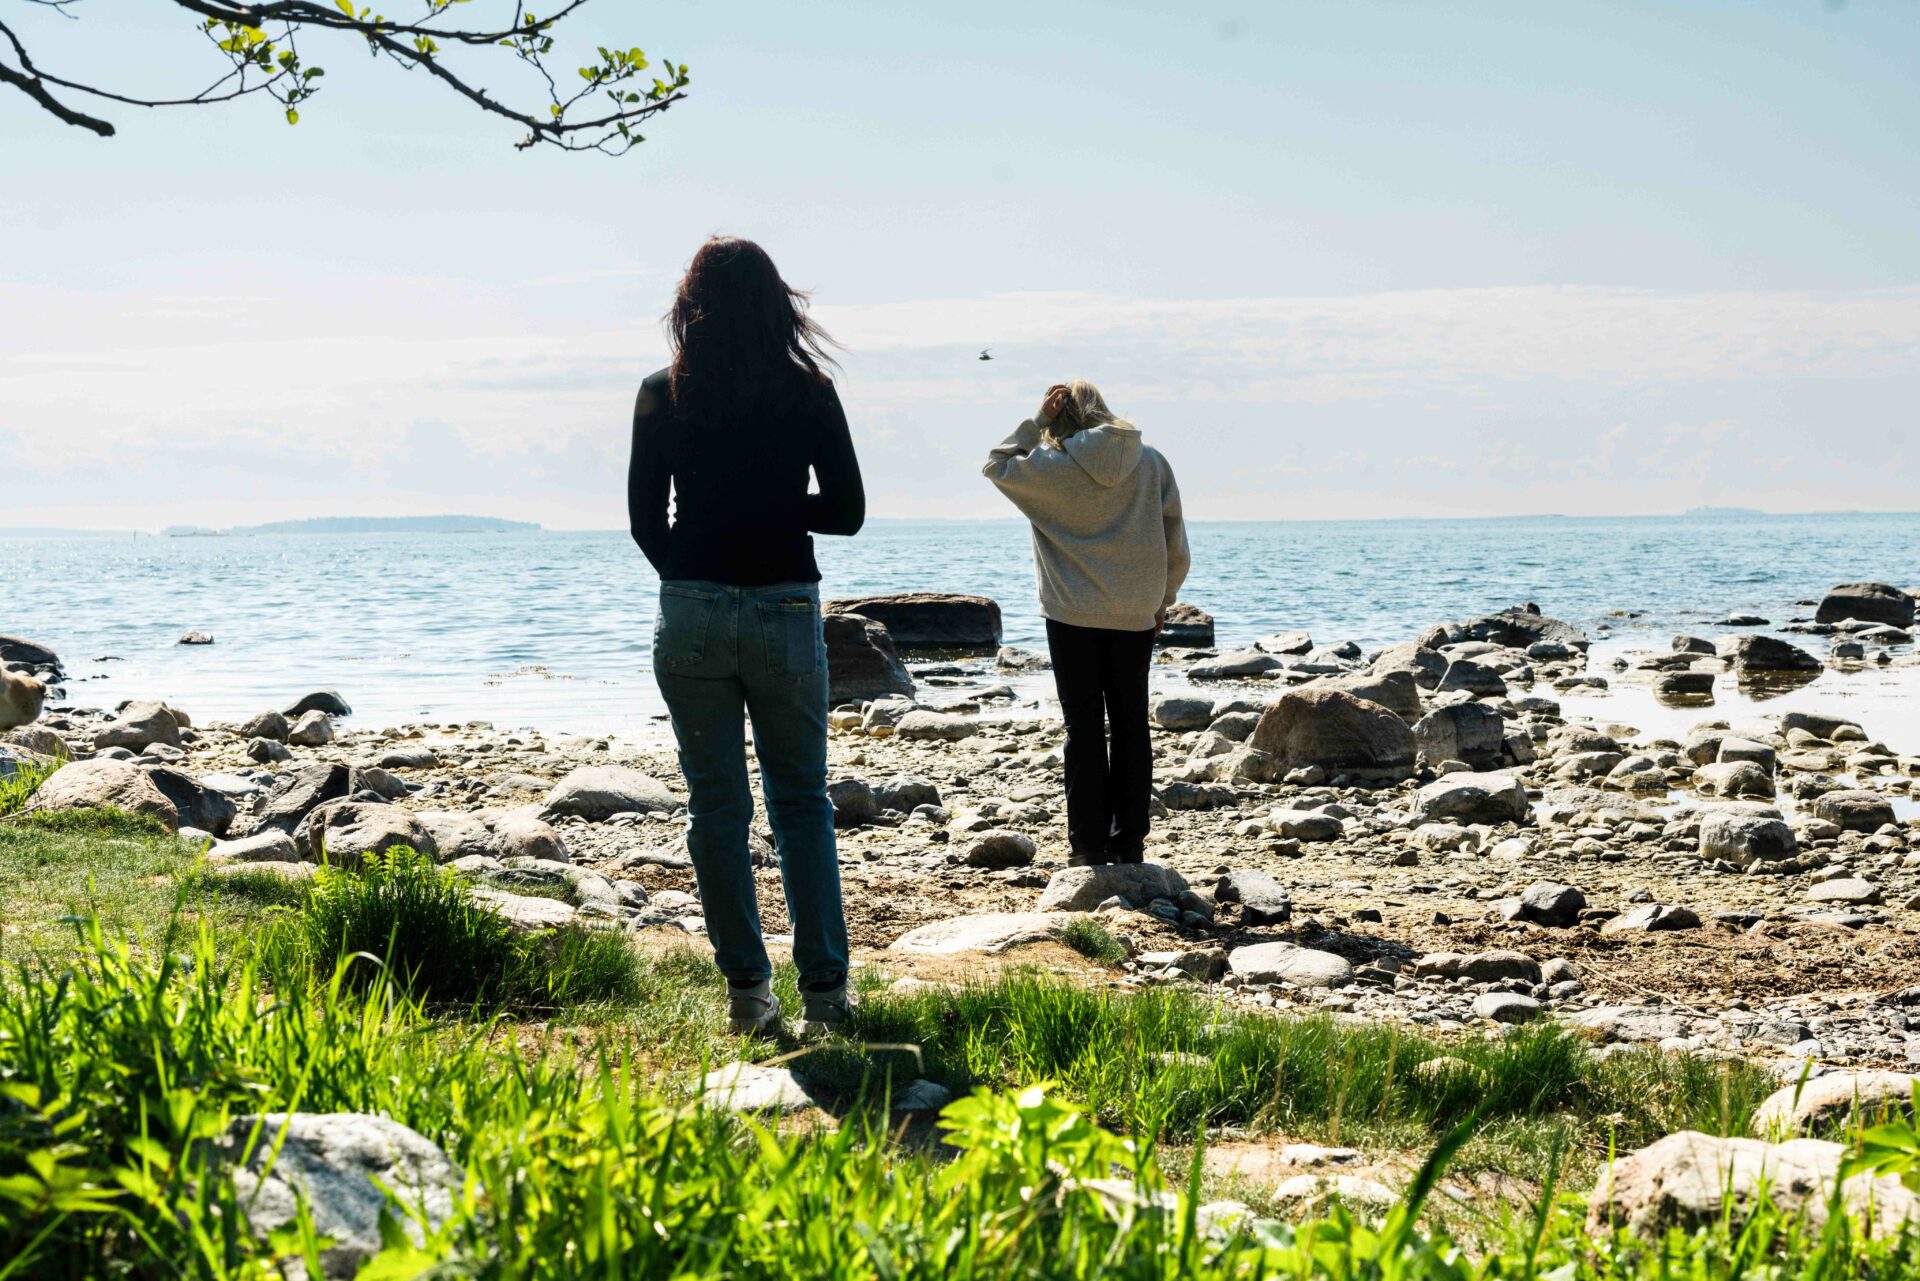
column 1109, row 545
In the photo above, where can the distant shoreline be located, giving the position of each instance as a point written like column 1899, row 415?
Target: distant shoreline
column 493, row 525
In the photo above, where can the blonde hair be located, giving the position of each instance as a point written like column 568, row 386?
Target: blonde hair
column 1086, row 407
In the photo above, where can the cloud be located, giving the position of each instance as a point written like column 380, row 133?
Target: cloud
column 1434, row 402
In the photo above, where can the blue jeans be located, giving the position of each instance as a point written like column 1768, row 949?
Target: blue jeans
column 719, row 652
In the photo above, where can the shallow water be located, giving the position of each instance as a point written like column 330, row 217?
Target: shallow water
column 551, row 630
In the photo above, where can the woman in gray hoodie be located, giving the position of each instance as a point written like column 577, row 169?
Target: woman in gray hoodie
column 1110, row 550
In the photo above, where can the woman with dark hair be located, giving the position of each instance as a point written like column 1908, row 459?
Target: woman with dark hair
column 734, row 427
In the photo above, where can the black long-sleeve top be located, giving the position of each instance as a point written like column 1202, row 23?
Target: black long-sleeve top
column 742, row 513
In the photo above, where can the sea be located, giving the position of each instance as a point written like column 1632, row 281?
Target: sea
column 550, row 631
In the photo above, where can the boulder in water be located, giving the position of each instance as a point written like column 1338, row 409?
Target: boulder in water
column 1187, row 625
column 930, row 620
column 1867, row 603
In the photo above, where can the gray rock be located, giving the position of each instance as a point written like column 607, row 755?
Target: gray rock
column 751, row 1087
column 1845, row 889
column 1652, row 917
column 1733, row 779
column 1263, row 900
column 1855, row 809
column 1691, row 1180
column 598, row 792
column 1081, row 889
column 853, row 802
column 338, row 1164
column 288, row 803
column 139, row 724
column 921, row 725
column 1475, row 678
column 906, row 792
column 1830, row 1101
column 266, row 751
column 862, row 663
column 1179, row 713
column 347, row 833
column 1867, row 602
column 1239, row 666
column 1744, row 835
column 409, row 756
column 929, row 620
column 1507, row 1007
column 526, row 913
column 1550, row 903
column 1425, row 665
column 264, row 847
column 1397, row 691
column 1765, row 654
column 988, row 932
column 1684, row 684
column 105, row 784
column 197, row 805
column 1473, row 798
column 271, row 726
column 1186, row 625
column 321, row 700
column 999, row 848
column 1470, row 732
column 312, row 729
column 1336, row 731
column 921, row 1095
column 1286, row 963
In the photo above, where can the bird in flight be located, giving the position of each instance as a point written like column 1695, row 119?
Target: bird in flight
column 983, row 353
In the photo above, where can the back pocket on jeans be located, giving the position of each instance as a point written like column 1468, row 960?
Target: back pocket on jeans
column 792, row 630
column 681, row 627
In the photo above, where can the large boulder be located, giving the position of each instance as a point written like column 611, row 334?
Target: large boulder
column 1471, row 732
column 286, row 806
column 1081, row 889
column 1188, row 626
column 1833, row 1101
column 1286, row 963
column 348, row 833
column 598, row 792
column 1180, row 712
column 1472, row 677
column 342, row 1167
column 1854, row 809
column 104, row 784
column 930, row 620
column 1425, row 665
column 1473, row 798
column 21, row 698
column 499, row 834
column 988, row 932
column 924, row 725
column 1762, row 654
column 1746, row 834
column 1690, row 1180
column 140, row 724
column 1397, row 691
column 861, row 661
column 1867, row 603
column 35, row 660
column 197, row 804
column 1339, row 732
column 906, row 792
column 1243, row 665
column 1520, row 627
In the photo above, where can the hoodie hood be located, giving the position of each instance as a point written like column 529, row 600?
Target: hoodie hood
column 1109, row 454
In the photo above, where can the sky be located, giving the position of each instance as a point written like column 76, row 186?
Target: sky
column 1338, row 260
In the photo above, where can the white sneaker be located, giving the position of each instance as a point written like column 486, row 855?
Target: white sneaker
column 822, row 1013
column 753, row 1011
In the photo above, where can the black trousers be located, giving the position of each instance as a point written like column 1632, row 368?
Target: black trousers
column 1102, row 679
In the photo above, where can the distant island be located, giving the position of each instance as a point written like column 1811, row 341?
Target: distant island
column 366, row 525
column 1718, row 512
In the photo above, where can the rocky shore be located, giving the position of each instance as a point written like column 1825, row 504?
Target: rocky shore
column 1420, row 834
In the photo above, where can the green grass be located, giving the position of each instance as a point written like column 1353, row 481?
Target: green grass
column 125, row 868
column 401, row 915
column 1094, row 941
column 18, row 787
column 581, row 1166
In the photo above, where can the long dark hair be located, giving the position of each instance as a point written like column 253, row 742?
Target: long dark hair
column 742, row 339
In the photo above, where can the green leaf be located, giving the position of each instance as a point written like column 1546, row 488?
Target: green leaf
column 344, row 6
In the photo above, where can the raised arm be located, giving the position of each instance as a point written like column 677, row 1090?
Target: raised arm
column 649, row 479
column 1019, row 467
column 841, row 505
column 1179, row 557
